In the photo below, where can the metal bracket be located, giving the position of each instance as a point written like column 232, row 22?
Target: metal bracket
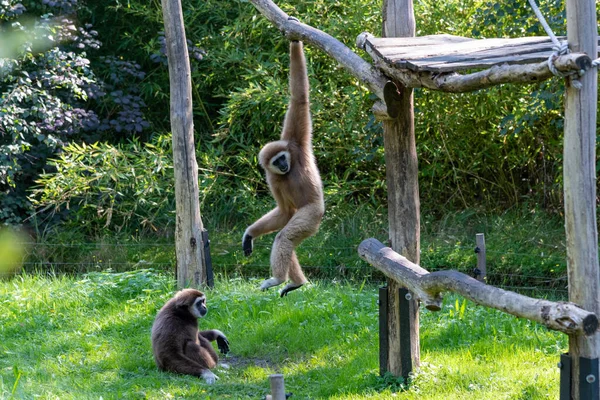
column 588, row 377
column 404, row 297
column 565, row 376
column 404, row 331
column 210, row 278
column 384, row 343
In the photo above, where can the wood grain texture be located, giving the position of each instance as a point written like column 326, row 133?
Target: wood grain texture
column 188, row 230
column 579, row 169
column 403, row 201
column 565, row 317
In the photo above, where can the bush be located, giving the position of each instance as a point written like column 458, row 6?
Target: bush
column 51, row 96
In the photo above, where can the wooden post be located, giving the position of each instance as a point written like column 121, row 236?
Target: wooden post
column 481, row 271
column 580, row 185
column 188, row 228
column 277, row 387
column 403, row 201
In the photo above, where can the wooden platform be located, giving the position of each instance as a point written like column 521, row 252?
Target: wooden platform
column 448, row 53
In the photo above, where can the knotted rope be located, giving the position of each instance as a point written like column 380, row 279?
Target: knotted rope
column 558, row 49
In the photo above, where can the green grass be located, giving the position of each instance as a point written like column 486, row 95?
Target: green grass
column 524, row 247
column 88, row 337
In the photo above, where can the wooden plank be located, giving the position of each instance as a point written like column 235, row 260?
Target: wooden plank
column 464, row 47
column 458, row 54
column 452, row 66
column 476, row 53
column 417, row 41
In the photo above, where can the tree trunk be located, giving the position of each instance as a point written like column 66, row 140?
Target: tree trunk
column 403, row 201
column 188, row 231
column 580, row 187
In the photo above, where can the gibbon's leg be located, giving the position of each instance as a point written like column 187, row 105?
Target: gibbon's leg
column 199, row 354
column 284, row 262
column 272, row 221
column 184, row 364
column 207, row 352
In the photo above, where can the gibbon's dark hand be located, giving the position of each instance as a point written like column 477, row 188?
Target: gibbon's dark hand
column 290, row 18
column 247, row 245
column 223, row 344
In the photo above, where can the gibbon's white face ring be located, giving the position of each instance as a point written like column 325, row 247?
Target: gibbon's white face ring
column 280, row 163
column 198, row 309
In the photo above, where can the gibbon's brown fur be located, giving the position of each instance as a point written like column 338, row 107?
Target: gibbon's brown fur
column 294, row 181
column 176, row 343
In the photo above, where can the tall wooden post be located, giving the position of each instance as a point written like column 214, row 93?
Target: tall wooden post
column 580, row 190
column 403, row 204
column 188, row 230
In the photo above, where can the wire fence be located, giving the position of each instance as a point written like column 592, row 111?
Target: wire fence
column 504, row 269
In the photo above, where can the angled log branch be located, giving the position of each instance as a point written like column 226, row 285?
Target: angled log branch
column 457, row 83
column 295, row 30
column 560, row 316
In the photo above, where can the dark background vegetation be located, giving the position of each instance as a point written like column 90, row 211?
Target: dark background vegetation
column 85, row 156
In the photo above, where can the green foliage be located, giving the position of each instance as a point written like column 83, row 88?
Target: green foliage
column 89, row 337
column 50, row 94
column 111, row 188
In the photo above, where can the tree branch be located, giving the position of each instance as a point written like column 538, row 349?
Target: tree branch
column 560, row 316
column 295, row 30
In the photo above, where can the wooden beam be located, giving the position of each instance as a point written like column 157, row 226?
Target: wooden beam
column 428, row 287
column 579, row 171
column 349, row 60
column 189, row 247
column 403, row 199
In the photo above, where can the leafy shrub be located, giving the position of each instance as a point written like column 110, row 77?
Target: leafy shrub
column 111, row 188
column 50, row 95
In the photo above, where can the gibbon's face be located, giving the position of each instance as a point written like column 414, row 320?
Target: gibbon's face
column 280, row 163
column 198, row 308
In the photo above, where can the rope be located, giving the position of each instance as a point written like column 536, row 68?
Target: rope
column 559, row 48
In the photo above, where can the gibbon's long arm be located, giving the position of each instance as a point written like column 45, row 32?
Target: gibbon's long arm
column 297, row 125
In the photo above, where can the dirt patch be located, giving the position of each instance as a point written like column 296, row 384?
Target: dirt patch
column 242, row 362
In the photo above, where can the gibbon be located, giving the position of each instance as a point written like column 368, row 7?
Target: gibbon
column 177, row 344
column 294, row 181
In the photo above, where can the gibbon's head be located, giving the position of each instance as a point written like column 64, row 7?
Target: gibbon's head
column 193, row 300
column 276, row 158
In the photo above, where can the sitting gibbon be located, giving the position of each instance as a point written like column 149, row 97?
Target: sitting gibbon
column 294, row 181
column 177, row 344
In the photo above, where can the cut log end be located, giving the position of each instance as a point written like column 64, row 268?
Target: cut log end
column 590, row 324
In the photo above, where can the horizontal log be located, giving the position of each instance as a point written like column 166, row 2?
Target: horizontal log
column 428, row 287
column 295, row 30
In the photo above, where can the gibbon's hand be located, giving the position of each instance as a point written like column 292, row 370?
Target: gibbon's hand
column 223, row 344
column 247, row 244
column 290, row 18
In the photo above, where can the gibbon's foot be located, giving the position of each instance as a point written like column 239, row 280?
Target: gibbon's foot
column 223, row 344
column 267, row 283
column 209, row 377
column 247, row 244
column 289, row 287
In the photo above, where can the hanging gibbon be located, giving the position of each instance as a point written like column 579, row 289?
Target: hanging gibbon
column 294, row 181
column 177, row 344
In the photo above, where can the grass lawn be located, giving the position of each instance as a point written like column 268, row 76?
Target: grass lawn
column 88, row 337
